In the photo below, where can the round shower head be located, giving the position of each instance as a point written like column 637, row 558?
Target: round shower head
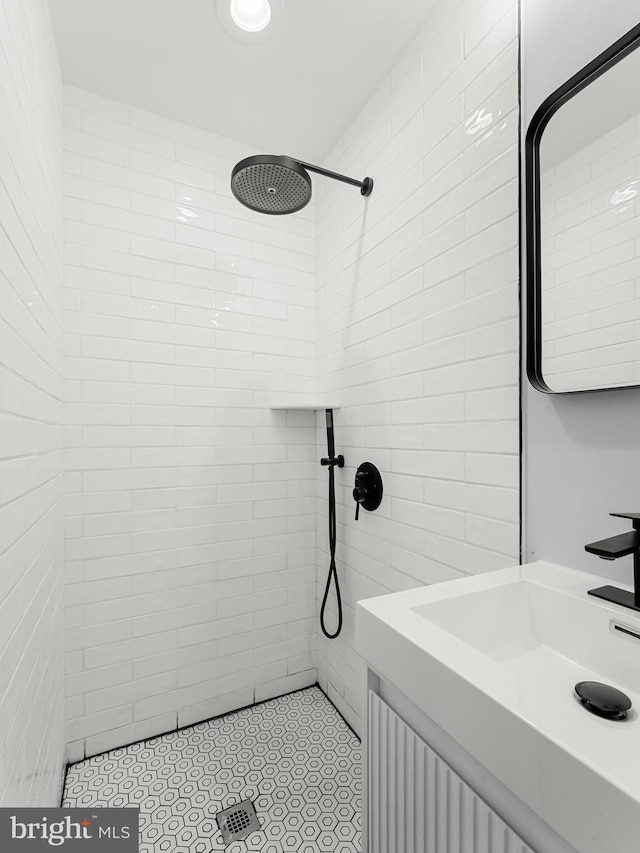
column 271, row 184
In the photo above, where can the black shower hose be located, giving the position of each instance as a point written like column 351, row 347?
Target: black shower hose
column 331, row 461
column 333, row 573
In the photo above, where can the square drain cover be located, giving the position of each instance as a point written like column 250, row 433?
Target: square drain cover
column 238, row 821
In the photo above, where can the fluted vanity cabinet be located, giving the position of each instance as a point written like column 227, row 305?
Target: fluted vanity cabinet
column 477, row 739
column 425, row 795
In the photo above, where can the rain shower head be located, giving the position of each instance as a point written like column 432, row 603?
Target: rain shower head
column 271, row 184
column 278, row 184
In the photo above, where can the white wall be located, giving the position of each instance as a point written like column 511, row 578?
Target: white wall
column 417, row 319
column 581, row 452
column 31, row 583
column 190, row 505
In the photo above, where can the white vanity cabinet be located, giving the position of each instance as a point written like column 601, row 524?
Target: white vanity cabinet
column 418, row 803
column 482, row 670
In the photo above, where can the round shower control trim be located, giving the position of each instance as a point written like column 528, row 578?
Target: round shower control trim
column 367, row 492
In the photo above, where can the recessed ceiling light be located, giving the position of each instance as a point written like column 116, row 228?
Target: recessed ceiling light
column 250, row 15
column 251, row 21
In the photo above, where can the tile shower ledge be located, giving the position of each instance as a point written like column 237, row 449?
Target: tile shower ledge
column 302, row 402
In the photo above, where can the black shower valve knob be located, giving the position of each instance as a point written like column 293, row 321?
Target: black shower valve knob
column 359, row 496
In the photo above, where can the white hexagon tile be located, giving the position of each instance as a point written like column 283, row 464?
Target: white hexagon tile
column 294, row 757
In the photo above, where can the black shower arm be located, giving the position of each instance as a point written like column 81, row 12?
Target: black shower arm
column 365, row 186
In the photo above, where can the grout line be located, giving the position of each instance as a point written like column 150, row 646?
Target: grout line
column 253, row 704
column 339, row 713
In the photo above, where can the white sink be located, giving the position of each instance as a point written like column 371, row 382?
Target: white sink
column 494, row 658
column 535, row 624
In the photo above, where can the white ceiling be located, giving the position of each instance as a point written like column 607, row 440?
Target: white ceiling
column 293, row 93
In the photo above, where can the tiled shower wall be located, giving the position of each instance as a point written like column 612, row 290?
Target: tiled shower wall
column 591, row 262
column 190, row 504
column 31, row 580
column 417, row 319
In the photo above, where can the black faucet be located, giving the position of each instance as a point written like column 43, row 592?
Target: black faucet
column 620, row 546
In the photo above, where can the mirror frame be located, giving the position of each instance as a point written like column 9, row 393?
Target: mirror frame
column 611, row 56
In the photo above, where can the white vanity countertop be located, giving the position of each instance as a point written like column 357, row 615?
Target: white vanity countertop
column 493, row 659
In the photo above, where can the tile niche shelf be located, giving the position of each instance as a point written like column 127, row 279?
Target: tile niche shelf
column 303, row 402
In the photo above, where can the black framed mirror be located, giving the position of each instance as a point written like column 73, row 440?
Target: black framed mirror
column 582, row 209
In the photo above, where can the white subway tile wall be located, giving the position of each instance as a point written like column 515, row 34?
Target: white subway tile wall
column 590, row 232
column 32, row 737
column 418, row 320
column 190, row 504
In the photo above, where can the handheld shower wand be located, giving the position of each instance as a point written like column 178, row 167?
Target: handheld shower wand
column 331, row 460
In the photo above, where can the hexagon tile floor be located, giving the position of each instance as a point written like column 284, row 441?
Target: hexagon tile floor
column 293, row 756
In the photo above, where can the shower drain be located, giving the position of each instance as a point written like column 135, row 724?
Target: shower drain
column 238, row 821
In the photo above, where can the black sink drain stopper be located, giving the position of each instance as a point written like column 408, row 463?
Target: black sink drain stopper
column 603, row 700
